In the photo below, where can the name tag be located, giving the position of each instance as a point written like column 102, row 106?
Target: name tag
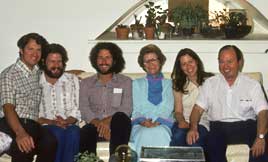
column 118, row 90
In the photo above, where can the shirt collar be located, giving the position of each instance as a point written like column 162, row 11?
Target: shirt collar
column 62, row 79
column 109, row 84
column 235, row 82
column 22, row 66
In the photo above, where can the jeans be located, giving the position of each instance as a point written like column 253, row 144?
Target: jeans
column 178, row 137
column 68, row 142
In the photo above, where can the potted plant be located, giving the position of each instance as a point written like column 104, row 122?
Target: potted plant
column 189, row 18
column 202, row 17
column 150, row 24
column 155, row 21
column 233, row 24
column 162, row 26
column 237, row 25
column 137, row 28
column 155, row 16
column 122, row 31
column 87, row 157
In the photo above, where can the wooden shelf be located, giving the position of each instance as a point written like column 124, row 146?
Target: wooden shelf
column 112, row 36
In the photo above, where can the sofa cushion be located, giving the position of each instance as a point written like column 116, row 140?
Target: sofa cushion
column 5, row 142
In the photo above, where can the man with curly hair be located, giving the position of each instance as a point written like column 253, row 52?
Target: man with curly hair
column 105, row 100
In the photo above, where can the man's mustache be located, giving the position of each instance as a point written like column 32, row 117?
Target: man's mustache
column 103, row 64
column 56, row 68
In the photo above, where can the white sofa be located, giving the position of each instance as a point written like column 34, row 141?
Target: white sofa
column 235, row 153
column 5, row 142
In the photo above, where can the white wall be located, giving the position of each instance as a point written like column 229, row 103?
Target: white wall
column 73, row 24
column 68, row 22
column 260, row 5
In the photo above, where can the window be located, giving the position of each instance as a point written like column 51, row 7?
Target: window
column 255, row 19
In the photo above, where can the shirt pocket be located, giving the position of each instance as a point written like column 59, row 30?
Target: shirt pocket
column 96, row 102
column 22, row 98
column 116, row 99
column 245, row 104
column 35, row 98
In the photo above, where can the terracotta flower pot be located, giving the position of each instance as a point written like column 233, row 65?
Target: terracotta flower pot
column 122, row 33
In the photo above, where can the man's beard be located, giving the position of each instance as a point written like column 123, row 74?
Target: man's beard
column 54, row 75
column 110, row 70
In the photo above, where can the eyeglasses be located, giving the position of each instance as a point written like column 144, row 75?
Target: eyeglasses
column 153, row 61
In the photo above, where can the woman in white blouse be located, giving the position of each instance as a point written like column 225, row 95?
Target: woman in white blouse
column 188, row 74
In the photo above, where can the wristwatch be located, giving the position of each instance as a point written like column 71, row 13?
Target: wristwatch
column 261, row 136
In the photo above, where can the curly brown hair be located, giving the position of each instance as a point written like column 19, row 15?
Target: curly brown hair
column 116, row 52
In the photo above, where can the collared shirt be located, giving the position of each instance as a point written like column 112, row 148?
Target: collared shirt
column 239, row 102
column 99, row 100
column 20, row 87
column 61, row 98
column 188, row 101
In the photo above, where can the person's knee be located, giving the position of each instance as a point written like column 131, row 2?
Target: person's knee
column 179, row 133
column 88, row 134
column 88, row 129
column 52, row 141
column 120, row 120
column 121, row 116
column 57, row 131
column 48, row 140
column 73, row 131
column 178, row 137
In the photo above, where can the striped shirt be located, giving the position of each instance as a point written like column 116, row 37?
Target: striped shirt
column 19, row 86
column 61, row 98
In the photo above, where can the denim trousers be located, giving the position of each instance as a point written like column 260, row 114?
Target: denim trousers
column 178, row 137
column 68, row 142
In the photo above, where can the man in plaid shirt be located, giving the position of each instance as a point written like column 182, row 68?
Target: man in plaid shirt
column 20, row 97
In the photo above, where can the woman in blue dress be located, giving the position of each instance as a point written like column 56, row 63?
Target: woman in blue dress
column 153, row 102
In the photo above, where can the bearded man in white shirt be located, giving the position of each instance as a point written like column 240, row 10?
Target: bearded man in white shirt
column 59, row 103
column 237, row 110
